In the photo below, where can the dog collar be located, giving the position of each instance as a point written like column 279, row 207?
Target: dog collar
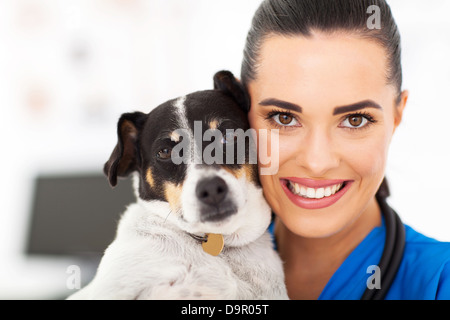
column 212, row 243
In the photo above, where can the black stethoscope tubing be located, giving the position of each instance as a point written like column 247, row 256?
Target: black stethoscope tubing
column 392, row 255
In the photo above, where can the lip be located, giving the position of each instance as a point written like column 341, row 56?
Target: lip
column 315, row 203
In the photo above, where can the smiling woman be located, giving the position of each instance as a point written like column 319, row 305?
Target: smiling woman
column 331, row 86
column 330, row 128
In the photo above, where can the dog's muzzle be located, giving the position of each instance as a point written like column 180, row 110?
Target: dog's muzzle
column 212, row 194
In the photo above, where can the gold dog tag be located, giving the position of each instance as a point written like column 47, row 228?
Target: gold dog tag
column 213, row 244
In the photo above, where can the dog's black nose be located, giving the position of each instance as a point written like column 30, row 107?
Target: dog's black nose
column 211, row 191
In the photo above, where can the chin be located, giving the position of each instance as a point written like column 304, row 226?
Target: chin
column 318, row 223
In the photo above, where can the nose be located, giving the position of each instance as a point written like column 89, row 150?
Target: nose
column 211, row 191
column 317, row 154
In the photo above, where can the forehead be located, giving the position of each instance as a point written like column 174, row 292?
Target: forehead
column 336, row 69
column 211, row 107
column 205, row 106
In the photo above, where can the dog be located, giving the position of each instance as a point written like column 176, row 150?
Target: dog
column 197, row 230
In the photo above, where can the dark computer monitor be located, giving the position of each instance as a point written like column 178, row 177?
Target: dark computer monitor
column 75, row 214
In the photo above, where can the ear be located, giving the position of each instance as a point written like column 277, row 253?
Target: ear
column 225, row 81
column 400, row 107
column 124, row 159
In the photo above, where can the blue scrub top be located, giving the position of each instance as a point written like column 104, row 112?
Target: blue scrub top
column 424, row 273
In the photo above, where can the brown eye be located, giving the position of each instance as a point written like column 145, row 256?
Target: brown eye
column 285, row 119
column 229, row 137
column 355, row 121
column 164, row 154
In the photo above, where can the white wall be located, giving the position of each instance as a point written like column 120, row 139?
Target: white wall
column 419, row 164
column 68, row 69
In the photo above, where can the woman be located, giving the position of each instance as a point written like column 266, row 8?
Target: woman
column 327, row 76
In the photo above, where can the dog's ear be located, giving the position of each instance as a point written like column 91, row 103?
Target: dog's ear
column 224, row 80
column 124, row 159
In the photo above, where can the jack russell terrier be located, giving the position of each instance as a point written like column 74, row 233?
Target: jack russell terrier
column 199, row 228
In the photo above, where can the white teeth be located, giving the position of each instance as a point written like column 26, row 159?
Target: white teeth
column 320, row 193
column 310, row 193
column 297, row 188
column 313, row 193
column 303, row 191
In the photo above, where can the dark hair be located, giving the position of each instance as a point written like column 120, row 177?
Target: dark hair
column 300, row 17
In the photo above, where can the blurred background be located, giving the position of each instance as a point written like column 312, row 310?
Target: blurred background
column 68, row 69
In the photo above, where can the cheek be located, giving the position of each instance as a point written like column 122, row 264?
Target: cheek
column 172, row 193
column 271, row 192
column 272, row 149
column 367, row 158
column 263, row 139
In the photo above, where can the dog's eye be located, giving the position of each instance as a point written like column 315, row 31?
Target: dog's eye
column 164, row 154
column 228, row 137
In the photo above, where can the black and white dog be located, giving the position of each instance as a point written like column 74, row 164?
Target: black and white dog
column 197, row 230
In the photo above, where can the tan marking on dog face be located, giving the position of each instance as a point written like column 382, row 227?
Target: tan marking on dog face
column 213, row 124
column 174, row 136
column 149, row 177
column 249, row 170
column 234, row 172
column 172, row 193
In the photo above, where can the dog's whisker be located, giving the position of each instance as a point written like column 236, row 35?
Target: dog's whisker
column 170, row 211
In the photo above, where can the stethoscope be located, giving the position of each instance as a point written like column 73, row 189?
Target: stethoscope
column 392, row 255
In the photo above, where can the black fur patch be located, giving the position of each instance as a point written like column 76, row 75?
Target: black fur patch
column 144, row 139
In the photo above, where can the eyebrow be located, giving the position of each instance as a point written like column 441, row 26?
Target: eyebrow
column 338, row 110
column 281, row 104
column 356, row 106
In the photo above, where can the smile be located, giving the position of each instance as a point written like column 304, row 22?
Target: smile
column 314, row 194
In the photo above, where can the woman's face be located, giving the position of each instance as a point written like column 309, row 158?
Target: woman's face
column 335, row 114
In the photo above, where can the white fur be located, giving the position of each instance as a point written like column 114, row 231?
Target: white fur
column 154, row 257
column 243, row 195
